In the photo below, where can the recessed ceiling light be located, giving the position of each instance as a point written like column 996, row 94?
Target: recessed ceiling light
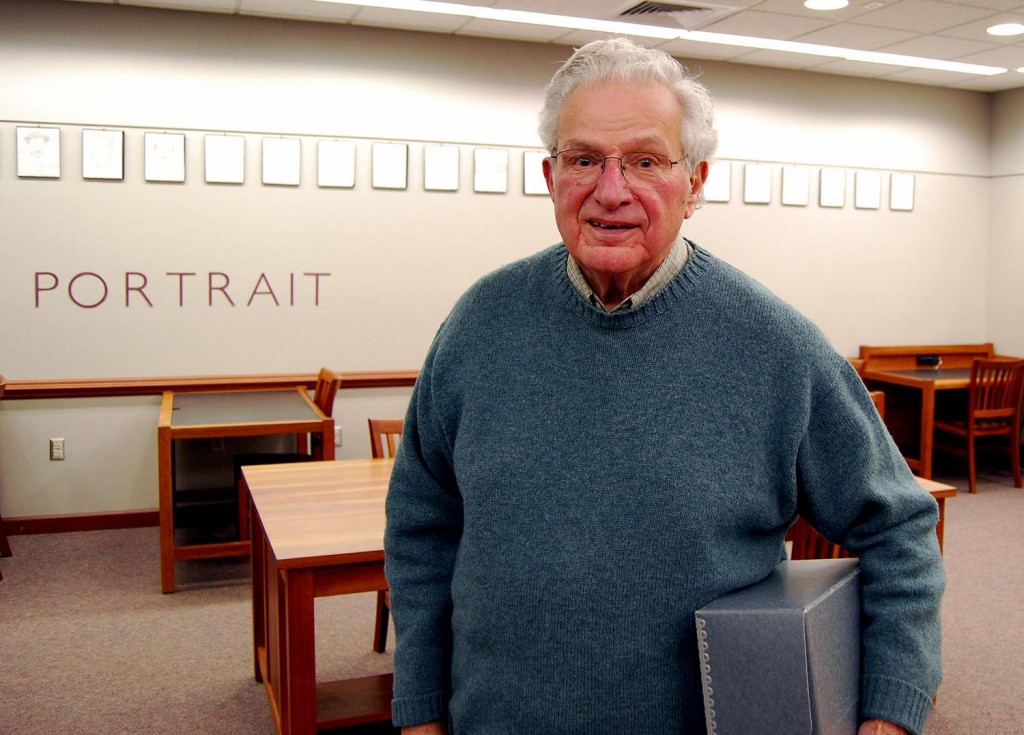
column 1006, row 29
column 825, row 4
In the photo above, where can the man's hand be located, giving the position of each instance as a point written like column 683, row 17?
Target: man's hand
column 880, row 727
column 431, row 728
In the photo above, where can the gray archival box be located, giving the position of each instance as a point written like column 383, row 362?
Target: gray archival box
column 783, row 655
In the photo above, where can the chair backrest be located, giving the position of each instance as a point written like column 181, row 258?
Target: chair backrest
column 327, row 384
column 996, row 390
column 3, row 384
column 384, row 432
column 809, row 544
column 878, row 398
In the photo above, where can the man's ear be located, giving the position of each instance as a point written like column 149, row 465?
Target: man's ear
column 548, row 175
column 697, row 179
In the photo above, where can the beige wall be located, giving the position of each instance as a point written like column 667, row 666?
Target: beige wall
column 398, row 259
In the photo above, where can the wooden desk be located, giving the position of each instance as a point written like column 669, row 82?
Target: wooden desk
column 224, row 414
column 317, row 530
column 940, row 491
column 915, row 425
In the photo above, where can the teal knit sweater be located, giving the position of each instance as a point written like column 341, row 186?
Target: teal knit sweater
column 572, row 485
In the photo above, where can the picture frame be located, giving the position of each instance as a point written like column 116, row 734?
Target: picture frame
column 103, row 154
column 901, row 192
column 796, row 186
column 164, row 157
column 224, row 158
column 718, row 185
column 282, row 161
column 757, row 183
column 832, row 187
column 390, row 167
column 534, row 183
column 440, row 167
column 336, row 164
column 490, row 170
column 38, row 152
column 867, row 190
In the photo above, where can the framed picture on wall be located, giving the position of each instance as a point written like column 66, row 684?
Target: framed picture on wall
column 832, row 187
column 718, row 185
column 867, row 190
column 901, row 192
column 225, row 159
column 38, row 152
column 796, row 186
column 103, row 154
column 757, row 183
column 164, row 157
column 336, row 163
column 390, row 166
column 441, row 168
column 490, row 170
column 534, row 183
column 282, row 161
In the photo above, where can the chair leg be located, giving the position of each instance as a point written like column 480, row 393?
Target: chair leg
column 1015, row 461
column 971, row 466
column 5, row 545
column 380, row 630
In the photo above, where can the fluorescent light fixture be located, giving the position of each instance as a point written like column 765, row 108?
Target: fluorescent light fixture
column 1006, row 29
column 825, row 4
column 569, row 22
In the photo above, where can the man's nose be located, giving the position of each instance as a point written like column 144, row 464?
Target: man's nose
column 612, row 187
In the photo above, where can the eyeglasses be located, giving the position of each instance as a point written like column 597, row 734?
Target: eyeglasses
column 640, row 169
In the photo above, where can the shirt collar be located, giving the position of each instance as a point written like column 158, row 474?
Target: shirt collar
column 674, row 262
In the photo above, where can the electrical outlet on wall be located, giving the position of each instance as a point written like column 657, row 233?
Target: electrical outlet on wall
column 337, row 436
column 57, row 449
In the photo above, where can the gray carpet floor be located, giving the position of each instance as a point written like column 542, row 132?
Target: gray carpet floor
column 88, row 644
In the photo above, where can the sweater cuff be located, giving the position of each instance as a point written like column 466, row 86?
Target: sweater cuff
column 895, row 701
column 409, row 711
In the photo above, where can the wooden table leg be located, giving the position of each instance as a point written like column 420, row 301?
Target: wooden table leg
column 927, row 430
column 166, row 491
column 299, row 653
column 259, row 596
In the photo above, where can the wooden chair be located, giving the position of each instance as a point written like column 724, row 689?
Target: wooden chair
column 306, row 448
column 993, row 410
column 383, row 433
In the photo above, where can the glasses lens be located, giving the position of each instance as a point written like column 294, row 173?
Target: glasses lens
column 638, row 168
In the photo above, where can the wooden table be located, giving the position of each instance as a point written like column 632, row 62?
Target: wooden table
column 317, row 530
column 928, row 381
column 218, row 415
column 940, row 491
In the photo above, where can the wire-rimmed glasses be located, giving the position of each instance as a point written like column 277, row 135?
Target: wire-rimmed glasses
column 640, row 169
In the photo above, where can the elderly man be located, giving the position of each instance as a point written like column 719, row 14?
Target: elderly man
column 617, row 430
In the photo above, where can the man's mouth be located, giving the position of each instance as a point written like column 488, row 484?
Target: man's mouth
column 607, row 225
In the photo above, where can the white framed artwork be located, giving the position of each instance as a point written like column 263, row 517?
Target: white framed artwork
column 718, row 185
column 390, row 166
column 757, row 183
column 225, row 159
column 534, row 183
column 490, row 170
column 796, row 186
column 103, row 154
column 901, row 192
column 336, row 164
column 164, row 158
column 38, row 152
column 832, row 187
column 867, row 190
column 440, row 167
column 282, row 161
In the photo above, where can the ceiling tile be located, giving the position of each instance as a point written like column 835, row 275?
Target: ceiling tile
column 409, row 20
column 765, row 25
column 936, row 47
column 922, row 16
column 511, row 31
column 853, row 35
column 299, row 10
